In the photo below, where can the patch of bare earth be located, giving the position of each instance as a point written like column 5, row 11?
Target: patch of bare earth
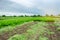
column 56, row 34
column 18, row 30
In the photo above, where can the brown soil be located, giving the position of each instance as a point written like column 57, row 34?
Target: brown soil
column 24, row 28
column 18, row 30
column 56, row 34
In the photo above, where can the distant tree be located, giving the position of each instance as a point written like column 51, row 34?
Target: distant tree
column 21, row 16
column 26, row 16
column 58, row 14
column 0, row 16
column 14, row 16
column 3, row 15
column 47, row 15
column 34, row 15
column 38, row 15
column 51, row 15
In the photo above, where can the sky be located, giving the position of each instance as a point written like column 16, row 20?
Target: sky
column 29, row 7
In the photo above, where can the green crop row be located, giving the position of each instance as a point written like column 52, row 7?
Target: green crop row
column 14, row 21
column 19, row 20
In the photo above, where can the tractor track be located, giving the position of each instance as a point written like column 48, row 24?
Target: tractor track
column 18, row 30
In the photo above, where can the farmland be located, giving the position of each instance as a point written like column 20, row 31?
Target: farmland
column 9, row 21
column 29, row 28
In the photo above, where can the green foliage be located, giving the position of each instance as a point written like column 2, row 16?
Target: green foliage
column 9, row 21
column 10, row 28
column 3, row 15
column 14, row 15
column 14, row 21
column 37, row 29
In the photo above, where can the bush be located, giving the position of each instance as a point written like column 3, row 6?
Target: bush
column 36, row 20
column 3, row 15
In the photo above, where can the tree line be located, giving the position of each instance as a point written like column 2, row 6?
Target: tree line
column 29, row 16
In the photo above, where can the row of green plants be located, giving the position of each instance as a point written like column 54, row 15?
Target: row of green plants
column 8, row 21
column 14, row 21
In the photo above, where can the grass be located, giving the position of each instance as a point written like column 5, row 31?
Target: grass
column 31, row 33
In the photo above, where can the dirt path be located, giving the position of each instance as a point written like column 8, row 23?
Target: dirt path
column 18, row 30
column 52, row 28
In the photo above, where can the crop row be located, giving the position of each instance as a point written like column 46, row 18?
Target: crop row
column 20, row 20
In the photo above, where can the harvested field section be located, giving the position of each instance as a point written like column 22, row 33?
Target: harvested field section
column 40, row 31
column 33, row 33
column 34, row 29
column 19, row 30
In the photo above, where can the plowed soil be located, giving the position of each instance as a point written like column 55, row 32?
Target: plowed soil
column 18, row 30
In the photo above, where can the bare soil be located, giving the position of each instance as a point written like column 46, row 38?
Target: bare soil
column 52, row 36
column 56, row 34
column 18, row 30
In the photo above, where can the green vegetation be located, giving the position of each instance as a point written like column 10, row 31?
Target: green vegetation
column 40, row 29
column 10, row 21
column 34, row 31
column 10, row 28
column 37, row 29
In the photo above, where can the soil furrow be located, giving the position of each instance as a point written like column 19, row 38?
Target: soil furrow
column 53, row 35
column 18, row 30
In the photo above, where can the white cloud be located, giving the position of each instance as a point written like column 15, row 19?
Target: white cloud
column 12, row 14
column 48, row 1
column 47, row 6
column 26, row 3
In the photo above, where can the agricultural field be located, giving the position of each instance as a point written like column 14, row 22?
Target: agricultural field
column 10, row 21
column 29, row 28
